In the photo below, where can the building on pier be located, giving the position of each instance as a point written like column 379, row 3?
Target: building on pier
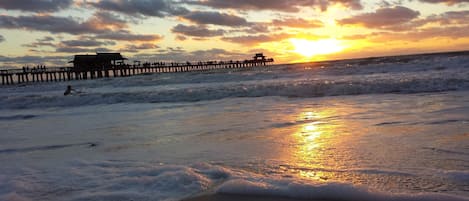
column 259, row 57
column 100, row 61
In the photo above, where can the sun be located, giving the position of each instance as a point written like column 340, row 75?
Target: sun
column 309, row 48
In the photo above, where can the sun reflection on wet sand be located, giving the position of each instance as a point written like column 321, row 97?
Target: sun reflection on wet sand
column 319, row 141
column 313, row 138
column 342, row 141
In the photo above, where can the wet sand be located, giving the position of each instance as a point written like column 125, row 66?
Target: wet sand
column 230, row 197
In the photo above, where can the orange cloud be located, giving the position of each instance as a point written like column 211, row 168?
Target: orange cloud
column 382, row 18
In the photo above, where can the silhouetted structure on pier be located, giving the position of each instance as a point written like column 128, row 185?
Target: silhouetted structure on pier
column 259, row 57
column 112, row 65
column 100, row 61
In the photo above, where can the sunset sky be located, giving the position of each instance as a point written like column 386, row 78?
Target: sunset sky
column 52, row 31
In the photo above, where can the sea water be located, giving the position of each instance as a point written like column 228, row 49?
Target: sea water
column 375, row 129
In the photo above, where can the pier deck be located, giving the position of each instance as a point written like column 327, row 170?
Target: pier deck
column 56, row 74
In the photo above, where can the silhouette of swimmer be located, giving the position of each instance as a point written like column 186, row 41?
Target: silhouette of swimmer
column 69, row 90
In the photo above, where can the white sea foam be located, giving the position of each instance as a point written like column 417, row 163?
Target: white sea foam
column 326, row 191
column 130, row 180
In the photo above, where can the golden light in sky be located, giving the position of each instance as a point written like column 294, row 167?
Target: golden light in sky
column 45, row 32
column 309, row 48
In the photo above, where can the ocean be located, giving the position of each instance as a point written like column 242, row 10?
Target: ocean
column 394, row 128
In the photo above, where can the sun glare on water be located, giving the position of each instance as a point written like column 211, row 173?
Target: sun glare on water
column 309, row 48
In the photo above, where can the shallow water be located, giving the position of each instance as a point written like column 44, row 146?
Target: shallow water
column 379, row 131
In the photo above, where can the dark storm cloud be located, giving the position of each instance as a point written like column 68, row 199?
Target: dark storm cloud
column 277, row 5
column 197, row 31
column 449, row 2
column 36, row 5
column 382, row 18
column 156, row 8
column 256, row 39
column 215, row 18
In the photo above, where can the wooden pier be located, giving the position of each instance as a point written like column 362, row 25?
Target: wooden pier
column 57, row 74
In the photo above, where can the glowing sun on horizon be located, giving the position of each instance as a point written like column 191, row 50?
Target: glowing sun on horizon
column 309, row 48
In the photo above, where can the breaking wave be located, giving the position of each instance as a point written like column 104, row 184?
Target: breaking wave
column 298, row 89
column 419, row 75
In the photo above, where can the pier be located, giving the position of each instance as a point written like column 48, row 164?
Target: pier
column 113, row 67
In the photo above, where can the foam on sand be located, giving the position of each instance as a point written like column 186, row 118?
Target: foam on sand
column 130, row 180
column 321, row 191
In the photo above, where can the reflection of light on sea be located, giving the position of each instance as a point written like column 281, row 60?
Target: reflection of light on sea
column 312, row 138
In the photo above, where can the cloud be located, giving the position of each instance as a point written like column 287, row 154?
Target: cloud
column 451, row 17
column 180, row 55
column 139, row 47
column 449, row 2
column 127, row 36
column 86, row 43
column 457, row 32
column 36, row 5
column 80, row 45
column 254, row 28
column 143, row 46
column 106, row 21
column 215, row 18
column 41, row 42
column 197, row 31
column 45, row 23
column 276, row 5
column 256, row 39
column 180, row 38
column 2, row 38
column 102, row 24
column 34, row 60
column 382, row 18
column 98, row 23
column 81, row 50
column 297, row 23
column 46, row 39
column 155, row 8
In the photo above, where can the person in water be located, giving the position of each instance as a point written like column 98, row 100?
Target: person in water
column 69, row 90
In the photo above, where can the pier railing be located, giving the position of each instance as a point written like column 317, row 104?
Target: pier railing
column 56, row 74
